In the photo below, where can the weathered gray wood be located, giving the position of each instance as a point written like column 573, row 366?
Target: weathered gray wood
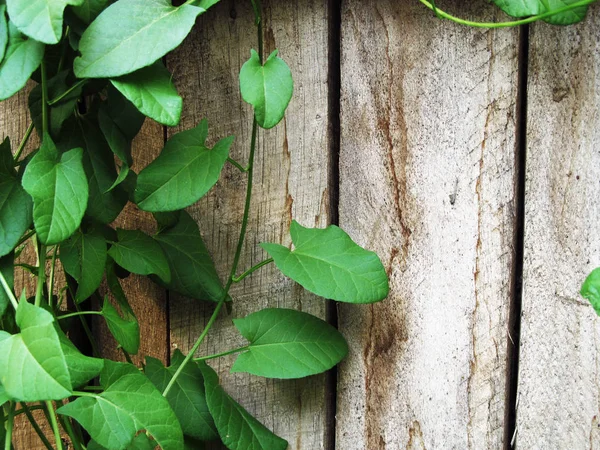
column 427, row 181
column 559, row 377
column 291, row 180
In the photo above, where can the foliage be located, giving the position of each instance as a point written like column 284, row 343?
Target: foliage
column 98, row 69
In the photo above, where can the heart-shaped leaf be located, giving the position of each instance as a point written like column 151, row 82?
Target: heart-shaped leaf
column 591, row 289
column 328, row 263
column 129, row 403
column 285, row 343
column 186, row 396
column 523, row 8
column 81, row 368
column 131, row 34
column 238, row 429
column 152, row 92
column 59, row 189
column 267, row 88
column 184, row 171
column 125, row 329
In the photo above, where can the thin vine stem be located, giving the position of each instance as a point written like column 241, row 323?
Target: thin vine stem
column 67, row 92
column 237, row 165
column 8, row 290
column 25, row 238
column 51, row 280
column 513, row 23
column 219, row 355
column 80, row 313
column 23, row 142
column 36, row 426
column 54, row 423
column 44, row 97
column 252, row 270
column 10, row 411
column 41, row 281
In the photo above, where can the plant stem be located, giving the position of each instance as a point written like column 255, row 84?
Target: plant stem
column 513, row 23
column 86, row 328
column 25, row 237
column 10, row 412
column 9, row 292
column 67, row 92
column 219, row 355
column 44, row 97
column 51, row 281
column 41, row 275
column 36, row 426
column 66, row 424
column 126, row 355
column 23, row 142
column 237, row 165
column 54, row 423
column 80, row 313
column 252, row 270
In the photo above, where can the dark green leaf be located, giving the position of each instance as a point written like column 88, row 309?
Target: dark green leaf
column 186, row 397
column 285, row 343
column 193, row 273
column 140, row 442
column 88, row 10
column 123, row 113
column 184, row 171
column 7, row 270
column 139, row 253
column 39, row 19
column 591, row 289
column 129, row 403
column 267, row 88
column 131, row 34
column 237, row 428
column 125, row 330
column 328, row 263
column 205, row 3
column 83, row 257
column 21, row 58
column 59, row 189
column 81, row 368
column 152, row 92
column 3, row 31
column 33, row 366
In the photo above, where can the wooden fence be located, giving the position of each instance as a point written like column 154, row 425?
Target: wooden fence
column 468, row 159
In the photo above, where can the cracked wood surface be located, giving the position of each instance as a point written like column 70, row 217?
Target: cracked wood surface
column 291, row 180
column 559, row 373
column 427, row 172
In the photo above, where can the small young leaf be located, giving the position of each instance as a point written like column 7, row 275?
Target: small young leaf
column 88, row 10
column 129, row 403
column 187, row 397
column 139, row 253
column 193, row 273
column 131, row 34
column 83, row 257
column 267, row 88
column 591, row 289
column 328, row 263
column 8, row 272
column 237, row 428
column 59, row 189
column 41, row 20
column 152, row 92
column 3, row 31
column 21, row 58
column 184, row 171
column 285, row 343
column 125, row 330
column 33, row 366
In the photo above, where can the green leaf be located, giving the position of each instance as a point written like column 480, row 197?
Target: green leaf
column 81, row 368
column 140, row 442
column 41, row 20
column 131, row 34
column 285, row 343
column 88, row 10
column 83, row 257
column 267, row 88
column 123, row 113
column 523, row 8
column 125, row 330
column 205, row 3
column 193, row 273
column 21, row 58
column 186, row 397
column 591, row 289
column 152, row 92
column 237, row 428
column 8, row 272
column 3, row 396
column 139, row 253
column 33, row 366
column 184, row 171
column 328, row 263
column 129, row 403
column 59, row 189
column 15, row 204
column 3, row 31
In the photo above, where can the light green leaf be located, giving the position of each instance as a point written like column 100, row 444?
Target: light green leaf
column 81, row 368
column 21, row 58
column 125, row 330
column 285, row 343
column 186, row 397
column 8, row 272
column 139, row 253
column 59, row 189
column 328, row 263
column 140, row 442
column 591, row 289
column 33, row 366
column 152, row 92
column 193, row 273
column 83, row 257
column 267, row 88
column 524, row 8
column 129, row 403
column 3, row 396
column 41, row 20
column 237, row 428
column 15, row 204
column 88, row 10
column 184, row 171
column 131, row 34
column 3, row 31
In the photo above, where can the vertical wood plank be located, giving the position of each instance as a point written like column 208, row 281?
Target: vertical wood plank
column 291, row 180
column 427, row 180
column 559, row 377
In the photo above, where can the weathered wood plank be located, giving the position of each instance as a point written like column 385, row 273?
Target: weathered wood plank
column 427, row 180
column 559, row 377
column 291, row 180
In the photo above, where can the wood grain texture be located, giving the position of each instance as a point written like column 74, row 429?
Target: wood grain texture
column 291, row 179
column 558, row 404
column 427, row 180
